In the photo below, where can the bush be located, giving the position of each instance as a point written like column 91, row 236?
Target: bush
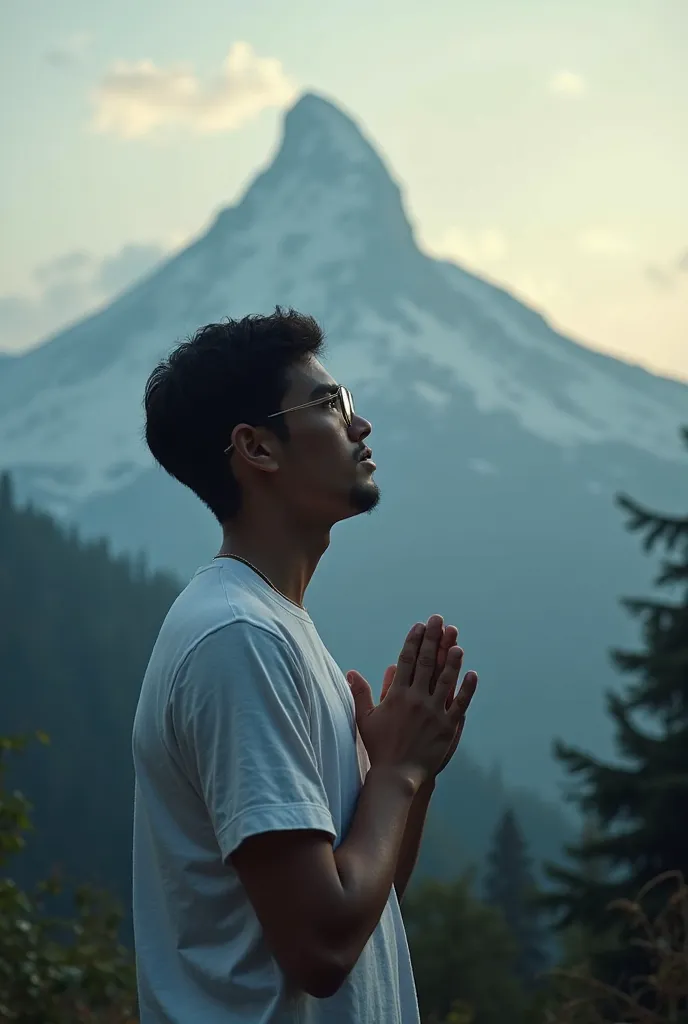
column 56, row 970
column 463, row 956
column 660, row 996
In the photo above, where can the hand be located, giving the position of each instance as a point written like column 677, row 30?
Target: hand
column 359, row 685
column 447, row 641
column 418, row 722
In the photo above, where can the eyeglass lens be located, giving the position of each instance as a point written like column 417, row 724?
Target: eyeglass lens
column 347, row 405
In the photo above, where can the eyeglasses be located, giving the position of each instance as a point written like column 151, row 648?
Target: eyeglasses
column 340, row 393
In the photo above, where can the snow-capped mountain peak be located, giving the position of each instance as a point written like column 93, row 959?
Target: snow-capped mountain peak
column 322, row 229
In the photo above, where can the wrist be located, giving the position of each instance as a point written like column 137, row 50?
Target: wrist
column 427, row 787
column 407, row 779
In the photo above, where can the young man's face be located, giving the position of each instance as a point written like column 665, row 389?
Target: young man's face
column 324, row 473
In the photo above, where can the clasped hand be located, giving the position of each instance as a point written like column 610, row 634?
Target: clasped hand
column 419, row 720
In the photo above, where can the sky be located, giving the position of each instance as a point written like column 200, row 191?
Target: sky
column 541, row 143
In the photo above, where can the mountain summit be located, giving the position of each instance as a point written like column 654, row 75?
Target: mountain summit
column 500, row 442
column 322, row 229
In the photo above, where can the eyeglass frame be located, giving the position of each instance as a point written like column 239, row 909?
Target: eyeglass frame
column 317, row 401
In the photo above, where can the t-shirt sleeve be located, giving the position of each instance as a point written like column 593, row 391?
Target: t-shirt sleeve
column 240, row 712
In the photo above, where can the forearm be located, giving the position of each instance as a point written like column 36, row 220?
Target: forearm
column 413, row 835
column 367, row 859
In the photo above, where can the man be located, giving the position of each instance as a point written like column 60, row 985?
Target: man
column 278, row 812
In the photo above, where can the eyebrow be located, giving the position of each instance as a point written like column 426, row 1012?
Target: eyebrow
column 324, row 389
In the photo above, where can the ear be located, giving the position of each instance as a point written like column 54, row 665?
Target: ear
column 255, row 447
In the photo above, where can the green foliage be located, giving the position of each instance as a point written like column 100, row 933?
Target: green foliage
column 14, row 807
column 463, row 957
column 510, row 889
column 581, row 944
column 56, row 970
column 639, row 802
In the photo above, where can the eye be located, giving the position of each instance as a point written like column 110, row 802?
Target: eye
column 333, row 403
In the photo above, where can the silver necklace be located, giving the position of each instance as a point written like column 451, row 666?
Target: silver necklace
column 262, row 575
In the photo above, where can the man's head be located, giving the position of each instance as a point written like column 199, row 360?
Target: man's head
column 220, row 390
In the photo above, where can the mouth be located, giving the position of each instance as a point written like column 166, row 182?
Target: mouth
column 366, row 458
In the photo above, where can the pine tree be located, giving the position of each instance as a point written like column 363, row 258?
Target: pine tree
column 6, row 493
column 463, row 956
column 509, row 888
column 640, row 801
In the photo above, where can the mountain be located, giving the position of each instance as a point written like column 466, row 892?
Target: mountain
column 500, row 443
column 78, row 629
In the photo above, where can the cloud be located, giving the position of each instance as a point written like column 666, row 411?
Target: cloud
column 126, row 266
column 659, row 278
column 481, row 248
column 67, row 288
column 668, row 277
column 136, row 98
column 603, row 242
column 67, row 268
column 567, row 83
column 69, row 51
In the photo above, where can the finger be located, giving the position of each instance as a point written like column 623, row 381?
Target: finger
column 387, row 681
column 451, row 687
column 361, row 692
column 427, row 655
column 462, row 701
column 459, row 732
column 408, row 656
column 449, row 638
column 448, row 677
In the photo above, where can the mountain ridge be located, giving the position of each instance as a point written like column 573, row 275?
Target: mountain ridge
column 325, row 162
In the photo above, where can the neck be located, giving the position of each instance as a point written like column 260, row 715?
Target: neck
column 287, row 555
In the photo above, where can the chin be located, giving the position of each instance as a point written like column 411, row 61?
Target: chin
column 364, row 497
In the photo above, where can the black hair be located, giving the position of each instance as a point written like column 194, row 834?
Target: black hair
column 227, row 373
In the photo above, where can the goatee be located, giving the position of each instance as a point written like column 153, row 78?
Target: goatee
column 365, row 497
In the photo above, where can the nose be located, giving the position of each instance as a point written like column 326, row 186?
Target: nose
column 359, row 428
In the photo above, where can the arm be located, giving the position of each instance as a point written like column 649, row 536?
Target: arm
column 240, row 716
column 318, row 906
column 413, row 834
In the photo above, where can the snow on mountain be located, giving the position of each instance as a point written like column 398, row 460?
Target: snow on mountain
column 322, row 229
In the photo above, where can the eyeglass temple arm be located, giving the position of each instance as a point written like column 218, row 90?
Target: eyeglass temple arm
column 295, row 408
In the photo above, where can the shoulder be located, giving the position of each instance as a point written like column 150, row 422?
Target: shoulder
column 222, row 629
column 213, row 601
column 240, row 637
column 241, row 675
column 243, row 660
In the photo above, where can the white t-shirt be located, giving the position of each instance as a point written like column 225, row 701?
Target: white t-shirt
column 244, row 725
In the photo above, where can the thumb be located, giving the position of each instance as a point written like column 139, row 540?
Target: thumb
column 361, row 692
column 387, row 680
